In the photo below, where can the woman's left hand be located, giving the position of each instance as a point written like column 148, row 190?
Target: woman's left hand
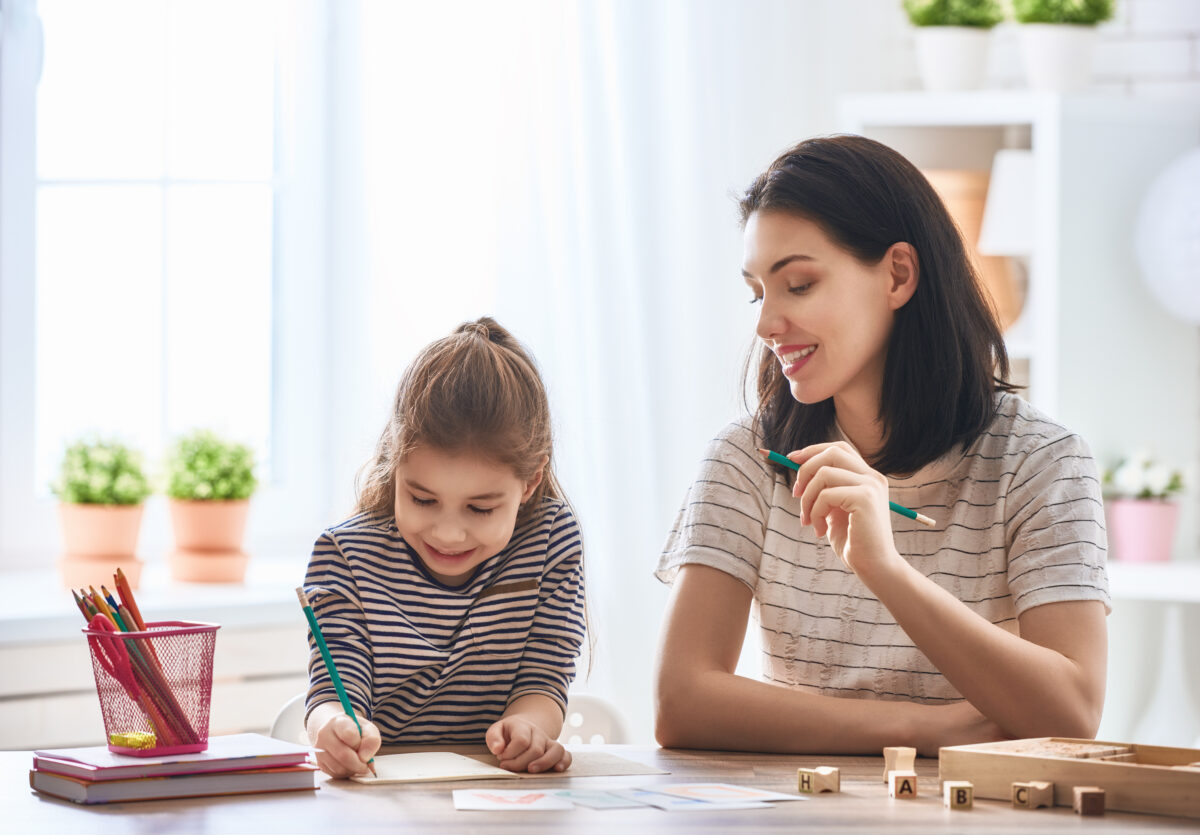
column 847, row 502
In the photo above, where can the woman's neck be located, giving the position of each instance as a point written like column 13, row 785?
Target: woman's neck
column 858, row 418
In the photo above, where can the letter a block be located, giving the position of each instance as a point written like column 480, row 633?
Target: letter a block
column 1032, row 794
column 898, row 759
column 958, row 794
column 902, row 785
column 824, row 778
column 1089, row 800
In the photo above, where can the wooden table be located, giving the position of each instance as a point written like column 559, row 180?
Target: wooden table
column 344, row 806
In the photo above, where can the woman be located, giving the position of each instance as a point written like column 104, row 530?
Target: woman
column 883, row 376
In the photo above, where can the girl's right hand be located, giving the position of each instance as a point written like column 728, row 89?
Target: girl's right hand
column 343, row 751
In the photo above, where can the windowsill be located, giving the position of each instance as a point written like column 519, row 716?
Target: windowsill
column 39, row 608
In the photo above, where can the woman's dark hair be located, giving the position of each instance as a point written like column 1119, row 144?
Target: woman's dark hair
column 945, row 357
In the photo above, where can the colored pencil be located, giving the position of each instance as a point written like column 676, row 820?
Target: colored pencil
column 315, row 628
column 122, row 584
column 770, row 455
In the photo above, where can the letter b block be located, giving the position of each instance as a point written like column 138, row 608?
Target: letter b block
column 958, row 794
column 902, row 784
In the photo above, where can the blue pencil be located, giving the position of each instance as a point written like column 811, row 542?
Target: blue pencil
column 895, row 508
column 333, row 673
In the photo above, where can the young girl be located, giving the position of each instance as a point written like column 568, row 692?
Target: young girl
column 453, row 601
column 878, row 377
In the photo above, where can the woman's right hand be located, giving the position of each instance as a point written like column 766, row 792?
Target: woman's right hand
column 343, row 752
column 957, row 724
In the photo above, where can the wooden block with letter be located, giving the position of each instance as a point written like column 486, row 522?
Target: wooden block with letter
column 898, row 759
column 1152, row 779
column 1033, row 794
column 1089, row 800
column 824, row 778
column 958, row 794
column 902, row 784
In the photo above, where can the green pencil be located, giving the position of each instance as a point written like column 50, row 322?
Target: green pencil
column 896, row 508
column 333, row 673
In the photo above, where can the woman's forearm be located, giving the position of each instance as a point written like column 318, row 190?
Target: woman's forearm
column 720, row 710
column 1026, row 688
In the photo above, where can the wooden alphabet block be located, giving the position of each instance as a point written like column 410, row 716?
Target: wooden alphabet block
column 1032, row 794
column 824, row 778
column 898, row 759
column 958, row 794
column 902, row 785
column 1089, row 800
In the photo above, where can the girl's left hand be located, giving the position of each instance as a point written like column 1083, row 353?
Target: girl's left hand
column 847, row 502
column 520, row 745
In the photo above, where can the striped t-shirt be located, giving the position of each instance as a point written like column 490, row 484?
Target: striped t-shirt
column 1020, row 523
column 428, row 662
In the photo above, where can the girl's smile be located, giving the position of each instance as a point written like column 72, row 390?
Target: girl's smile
column 456, row 510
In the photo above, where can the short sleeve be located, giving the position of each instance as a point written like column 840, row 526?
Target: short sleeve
column 1055, row 526
column 723, row 520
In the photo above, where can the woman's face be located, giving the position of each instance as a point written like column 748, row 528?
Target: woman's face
column 825, row 315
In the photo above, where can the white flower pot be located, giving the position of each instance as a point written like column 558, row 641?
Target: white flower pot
column 1057, row 56
column 952, row 57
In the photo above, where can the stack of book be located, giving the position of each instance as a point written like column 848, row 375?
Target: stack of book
column 234, row 764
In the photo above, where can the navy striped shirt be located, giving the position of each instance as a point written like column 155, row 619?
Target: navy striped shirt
column 428, row 662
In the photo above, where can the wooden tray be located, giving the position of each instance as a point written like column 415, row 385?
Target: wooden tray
column 1135, row 778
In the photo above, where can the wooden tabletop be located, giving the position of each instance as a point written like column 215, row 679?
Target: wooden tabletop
column 344, row 806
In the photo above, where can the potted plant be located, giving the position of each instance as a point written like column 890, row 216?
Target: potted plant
column 952, row 39
column 101, row 487
column 209, row 484
column 1139, row 510
column 1057, row 37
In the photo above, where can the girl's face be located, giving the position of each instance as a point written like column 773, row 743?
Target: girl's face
column 825, row 315
column 457, row 510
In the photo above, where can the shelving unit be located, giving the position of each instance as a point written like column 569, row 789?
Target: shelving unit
column 1102, row 357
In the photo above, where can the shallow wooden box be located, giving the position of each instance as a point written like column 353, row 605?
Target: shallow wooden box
column 1135, row 778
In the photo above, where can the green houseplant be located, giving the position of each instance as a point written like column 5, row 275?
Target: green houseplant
column 101, row 487
column 1057, row 38
column 209, row 482
column 952, row 39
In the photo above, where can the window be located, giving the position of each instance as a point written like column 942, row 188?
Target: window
column 158, row 271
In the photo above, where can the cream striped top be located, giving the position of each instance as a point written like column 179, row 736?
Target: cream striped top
column 1020, row 524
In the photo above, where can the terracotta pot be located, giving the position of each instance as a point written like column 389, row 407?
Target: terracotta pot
column 81, row 572
column 209, row 526
column 1141, row 530
column 100, row 530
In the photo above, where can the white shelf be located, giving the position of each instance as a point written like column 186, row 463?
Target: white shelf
column 1166, row 582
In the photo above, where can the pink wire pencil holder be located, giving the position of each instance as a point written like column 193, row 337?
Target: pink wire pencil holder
column 155, row 686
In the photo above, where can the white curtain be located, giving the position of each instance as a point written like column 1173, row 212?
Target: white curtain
column 569, row 167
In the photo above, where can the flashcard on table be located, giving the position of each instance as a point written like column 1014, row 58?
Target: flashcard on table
column 722, row 792
column 596, row 799
column 672, row 803
column 500, row 800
